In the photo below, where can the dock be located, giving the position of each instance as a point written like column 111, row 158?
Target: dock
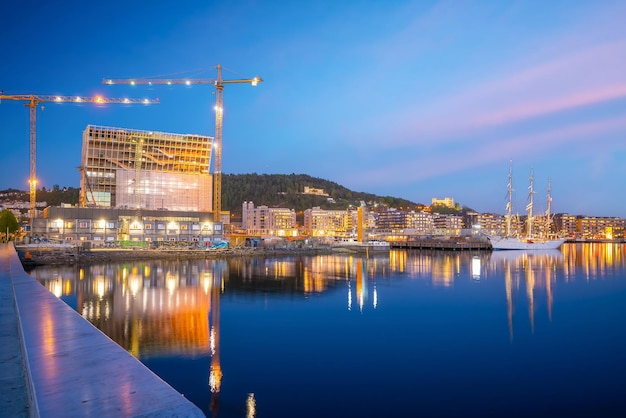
column 55, row 363
column 458, row 244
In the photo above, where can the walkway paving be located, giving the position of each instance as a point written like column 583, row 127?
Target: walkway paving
column 13, row 393
column 75, row 369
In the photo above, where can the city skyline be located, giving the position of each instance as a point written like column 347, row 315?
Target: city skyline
column 412, row 99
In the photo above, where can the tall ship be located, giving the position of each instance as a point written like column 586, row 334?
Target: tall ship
column 531, row 240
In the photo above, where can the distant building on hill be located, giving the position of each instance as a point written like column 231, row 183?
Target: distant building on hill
column 317, row 192
column 446, row 201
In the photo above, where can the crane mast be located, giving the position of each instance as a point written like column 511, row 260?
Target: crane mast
column 219, row 112
column 33, row 100
column 217, row 166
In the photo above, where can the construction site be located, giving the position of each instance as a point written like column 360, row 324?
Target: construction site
column 137, row 186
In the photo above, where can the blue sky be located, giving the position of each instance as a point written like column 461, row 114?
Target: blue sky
column 413, row 99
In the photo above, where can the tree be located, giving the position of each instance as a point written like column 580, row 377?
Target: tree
column 8, row 222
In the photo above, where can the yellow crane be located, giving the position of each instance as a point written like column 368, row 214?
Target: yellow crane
column 219, row 110
column 33, row 100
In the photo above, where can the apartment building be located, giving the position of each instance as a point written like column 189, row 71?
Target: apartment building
column 263, row 220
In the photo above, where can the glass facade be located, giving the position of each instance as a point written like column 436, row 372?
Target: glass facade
column 126, row 168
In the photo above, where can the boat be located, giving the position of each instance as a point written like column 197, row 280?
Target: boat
column 530, row 240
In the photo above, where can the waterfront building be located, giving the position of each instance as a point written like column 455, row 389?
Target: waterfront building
column 395, row 221
column 447, row 224
column 138, row 186
column 329, row 223
column 263, row 220
column 100, row 225
column 595, row 227
column 128, row 168
column 491, row 223
column 565, row 224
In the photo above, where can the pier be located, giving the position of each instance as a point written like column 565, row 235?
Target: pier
column 55, row 363
column 457, row 244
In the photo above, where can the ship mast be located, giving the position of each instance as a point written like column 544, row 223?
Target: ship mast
column 509, row 207
column 529, row 207
column 548, row 207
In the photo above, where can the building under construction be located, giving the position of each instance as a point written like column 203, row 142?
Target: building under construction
column 132, row 169
column 139, row 186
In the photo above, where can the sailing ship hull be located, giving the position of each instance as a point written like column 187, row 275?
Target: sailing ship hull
column 509, row 243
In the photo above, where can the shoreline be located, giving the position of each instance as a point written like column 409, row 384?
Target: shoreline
column 35, row 257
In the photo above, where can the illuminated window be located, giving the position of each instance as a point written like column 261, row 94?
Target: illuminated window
column 148, row 226
column 183, row 227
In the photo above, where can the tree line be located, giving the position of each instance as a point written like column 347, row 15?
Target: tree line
column 273, row 190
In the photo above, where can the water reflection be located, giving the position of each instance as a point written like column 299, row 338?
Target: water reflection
column 172, row 308
column 215, row 372
column 537, row 269
column 164, row 306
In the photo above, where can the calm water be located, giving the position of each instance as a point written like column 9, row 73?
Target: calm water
column 417, row 334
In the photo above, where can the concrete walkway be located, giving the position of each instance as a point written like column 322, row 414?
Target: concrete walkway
column 54, row 363
column 14, row 400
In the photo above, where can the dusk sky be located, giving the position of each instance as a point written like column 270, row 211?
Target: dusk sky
column 412, row 99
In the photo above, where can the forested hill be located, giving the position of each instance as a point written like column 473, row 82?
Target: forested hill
column 287, row 191
column 273, row 190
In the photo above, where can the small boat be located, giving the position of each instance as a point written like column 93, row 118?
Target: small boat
column 530, row 240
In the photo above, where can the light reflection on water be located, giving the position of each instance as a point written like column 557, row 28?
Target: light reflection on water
column 178, row 317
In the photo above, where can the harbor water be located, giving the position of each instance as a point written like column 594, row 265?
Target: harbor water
column 406, row 333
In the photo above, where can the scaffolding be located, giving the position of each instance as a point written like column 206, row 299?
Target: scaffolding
column 126, row 168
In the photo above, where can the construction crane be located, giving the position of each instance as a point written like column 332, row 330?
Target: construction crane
column 32, row 101
column 219, row 110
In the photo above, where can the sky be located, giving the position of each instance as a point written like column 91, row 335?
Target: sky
column 411, row 99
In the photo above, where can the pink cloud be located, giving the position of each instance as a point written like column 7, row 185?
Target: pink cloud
column 436, row 163
column 551, row 105
column 584, row 78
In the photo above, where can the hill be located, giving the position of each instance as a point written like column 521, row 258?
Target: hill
column 287, row 191
column 273, row 190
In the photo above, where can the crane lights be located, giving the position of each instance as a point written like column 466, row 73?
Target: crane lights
column 33, row 101
column 219, row 87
